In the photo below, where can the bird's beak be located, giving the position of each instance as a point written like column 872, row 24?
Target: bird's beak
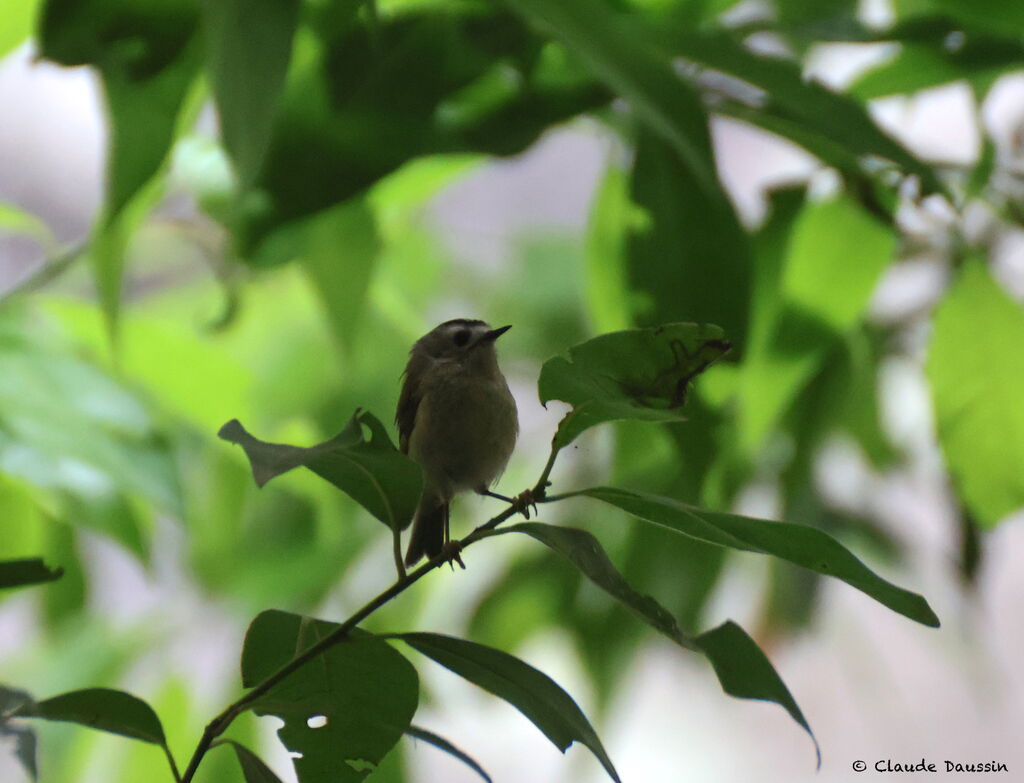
column 494, row 334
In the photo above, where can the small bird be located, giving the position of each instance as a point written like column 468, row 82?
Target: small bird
column 457, row 419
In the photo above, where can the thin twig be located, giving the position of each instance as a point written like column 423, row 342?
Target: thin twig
column 52, row 268
column 219, row 725
column 174, row 766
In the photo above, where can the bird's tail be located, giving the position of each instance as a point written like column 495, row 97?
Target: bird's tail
column 428, row 526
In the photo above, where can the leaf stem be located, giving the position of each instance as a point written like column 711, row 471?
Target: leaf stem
column 174, row 766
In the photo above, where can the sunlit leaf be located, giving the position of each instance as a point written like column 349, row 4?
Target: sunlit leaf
column 635, row 374
column 371, row 471
column 976, row 369
column 248, row 46
column 799, row 544
column 825, row 266
column 417, row 732
column 104, row 709
column 344, row 710
column 15, row 573
column 531, row 692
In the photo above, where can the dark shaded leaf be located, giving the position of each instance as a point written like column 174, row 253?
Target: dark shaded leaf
column 531, row 692
column 371, row 471
column 690, row 259
column 30, row 571
column 976, row 369
column 799, row 544
column 416, row 732
column 248, row 46
column 253, row 768
column 23, row 737
column 344, row 710
column 104, row 709
column 635, row 374
column 746, row 672
column 585, row 552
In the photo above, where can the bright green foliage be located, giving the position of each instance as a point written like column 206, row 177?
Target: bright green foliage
column 817, row 277
column 101, row 708
column 636, row 374
column 15, row 573
column 976, row 368
column 372, row 471
column 805, row 546
column 416, row 732
column 366, row 691
column 533, row 693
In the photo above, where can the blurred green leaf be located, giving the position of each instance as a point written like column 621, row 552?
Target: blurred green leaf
column 23, row 737
column 996, row 15
column 253, row 768
column 16, row 23
column 416, row 732
column 585, row 552
column 616, row 51
column 742, row 668
column 635, row 374
column 344, row 710
column 798, row 544
column 976, row 370
column 691, row 259
column 372, row 472
column 820, row 273
column 15, row 573
column 15, row 220
column 612, row 215
column 531, row 692
column 745, row 671
column 341, row 253
column 248, row 46
column 104, row 709
column 798, row 103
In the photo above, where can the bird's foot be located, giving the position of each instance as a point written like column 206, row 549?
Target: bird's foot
column 452, row 554
column 528, row 497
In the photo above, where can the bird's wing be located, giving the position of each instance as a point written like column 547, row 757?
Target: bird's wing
column 409, row 400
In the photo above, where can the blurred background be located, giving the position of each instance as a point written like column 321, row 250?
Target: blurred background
column 862, row 245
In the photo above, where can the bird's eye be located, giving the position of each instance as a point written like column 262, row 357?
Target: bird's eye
column 461, row 337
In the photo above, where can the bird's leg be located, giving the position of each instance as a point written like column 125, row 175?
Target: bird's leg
column 520, row 503
column 452, row 550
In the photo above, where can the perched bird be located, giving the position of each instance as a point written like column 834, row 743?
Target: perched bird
column 457, row 419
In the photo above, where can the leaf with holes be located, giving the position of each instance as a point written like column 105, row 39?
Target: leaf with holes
column 344, row 710
column 634, row 374
column 371, row 471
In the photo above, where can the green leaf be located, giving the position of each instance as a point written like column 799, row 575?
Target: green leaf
column 372, row 472
column 799, row 544
column 345, row 709
column 30, row 571
column 16, row 23
column 23, row 737
column 691, row 260
column 253, row 768
column 341, row 253
column 995, row 15
column 104, row 709
column 618, row 53
column 745, row 671
column 635, row 374
column 416, row 732
column 15, row 220
column 531, row 692
column 799, row 103
column 248, row 46
column 586, row 553
column 825, row 266
column 742, row 668
column 611, row 219
column 976, row 369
